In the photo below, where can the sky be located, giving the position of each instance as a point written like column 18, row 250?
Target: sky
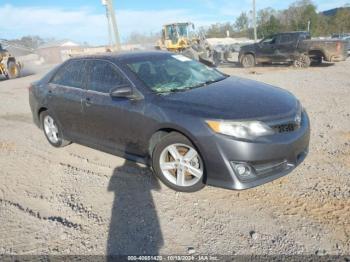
column 85, row 20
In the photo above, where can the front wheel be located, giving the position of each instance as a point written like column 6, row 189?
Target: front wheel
column 248, row 61
column 178, row 164
column 52, row 131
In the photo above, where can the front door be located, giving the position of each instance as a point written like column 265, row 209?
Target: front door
column 266, row 50
column 109, row 121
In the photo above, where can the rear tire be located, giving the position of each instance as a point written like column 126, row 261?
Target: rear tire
column 178, row 164
column 248, row 61
column 303, row 61
column 52, row 130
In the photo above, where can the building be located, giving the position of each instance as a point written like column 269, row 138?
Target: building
column 54, row 52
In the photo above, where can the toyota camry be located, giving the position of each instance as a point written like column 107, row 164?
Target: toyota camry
column 192, row 124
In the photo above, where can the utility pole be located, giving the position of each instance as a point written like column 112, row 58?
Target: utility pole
column 113, row 32
column 254, row 21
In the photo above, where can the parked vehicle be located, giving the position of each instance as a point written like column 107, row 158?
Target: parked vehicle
column 191, row 123
column 292, row 47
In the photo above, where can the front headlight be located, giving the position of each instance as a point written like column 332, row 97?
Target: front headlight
column 245, row 129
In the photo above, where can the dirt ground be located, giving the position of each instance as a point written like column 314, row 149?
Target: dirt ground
column 77, row 200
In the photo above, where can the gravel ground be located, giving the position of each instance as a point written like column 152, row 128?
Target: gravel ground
column 77, row 200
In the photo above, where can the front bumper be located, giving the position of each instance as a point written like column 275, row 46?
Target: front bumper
column 34, row 108
column 268, row 159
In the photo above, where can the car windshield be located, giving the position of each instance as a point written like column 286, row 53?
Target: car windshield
column 174, row 73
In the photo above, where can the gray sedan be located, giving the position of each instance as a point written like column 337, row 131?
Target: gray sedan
column 192, row 124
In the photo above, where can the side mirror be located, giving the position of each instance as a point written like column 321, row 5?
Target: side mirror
column 122, row 91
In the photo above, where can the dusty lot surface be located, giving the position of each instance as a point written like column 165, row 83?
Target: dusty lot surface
column 76, row 200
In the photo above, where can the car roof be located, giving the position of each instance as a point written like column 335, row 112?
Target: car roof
column 293, row 32
column 124, row 55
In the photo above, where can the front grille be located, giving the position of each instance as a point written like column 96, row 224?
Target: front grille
column 286, row 128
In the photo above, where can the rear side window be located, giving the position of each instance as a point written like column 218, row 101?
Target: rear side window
column 71, row 74
column 305, row 36
column 286, row 38
column 104, row 77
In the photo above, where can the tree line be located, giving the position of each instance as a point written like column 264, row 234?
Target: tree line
column 299, row 16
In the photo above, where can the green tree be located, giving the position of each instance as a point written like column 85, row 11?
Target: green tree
column 268, row 22
column 219, row 30
column 296, row 17
column 341, row 21
column 242, row 22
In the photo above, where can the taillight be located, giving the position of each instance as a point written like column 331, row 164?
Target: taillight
column 338, row 47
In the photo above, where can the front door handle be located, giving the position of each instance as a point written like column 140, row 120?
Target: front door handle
column 88, row 101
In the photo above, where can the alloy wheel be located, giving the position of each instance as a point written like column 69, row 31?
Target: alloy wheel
column 51, row 129
column 181, row 165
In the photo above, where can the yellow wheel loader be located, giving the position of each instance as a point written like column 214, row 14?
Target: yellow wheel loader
column 182, row 38
column 177, row 37
column 9, row 67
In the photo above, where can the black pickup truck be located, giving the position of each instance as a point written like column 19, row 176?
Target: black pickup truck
column 292, row 47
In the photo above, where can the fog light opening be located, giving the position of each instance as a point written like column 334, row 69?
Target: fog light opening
column 243, row 170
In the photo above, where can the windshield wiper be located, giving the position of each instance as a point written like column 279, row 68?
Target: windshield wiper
column 214, row 81
column 175, row 90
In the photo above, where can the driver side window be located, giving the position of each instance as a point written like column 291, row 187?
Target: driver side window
column 104, row 77
column 269, row 40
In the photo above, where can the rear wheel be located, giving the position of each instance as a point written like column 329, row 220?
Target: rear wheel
column 178, row 164
column 52, row 130
column 303, row 61
column 248, row 60
column 13, row 70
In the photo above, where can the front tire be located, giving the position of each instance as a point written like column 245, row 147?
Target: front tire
column 52, row 130
column 178, row 164
column 248, row 61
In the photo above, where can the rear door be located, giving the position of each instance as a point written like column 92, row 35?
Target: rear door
column 285, row 47
column 66, row 91
column 108, row 120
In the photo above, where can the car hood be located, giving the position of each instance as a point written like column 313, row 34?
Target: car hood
column 249, row 47
column 233, row 98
